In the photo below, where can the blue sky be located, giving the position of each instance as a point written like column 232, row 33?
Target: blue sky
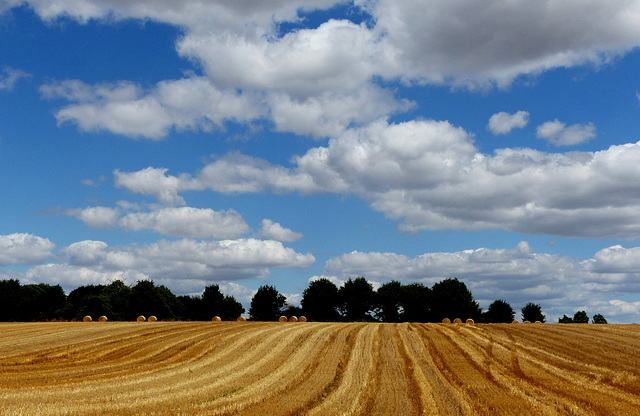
column 273, row 142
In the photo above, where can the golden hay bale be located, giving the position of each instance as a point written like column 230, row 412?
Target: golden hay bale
column 216, row 319
column 470, row 321
column 283, row 319
column 526, row 322
column 141, row 318
column 515, row 321
column 152, row 318
column 446, row 321
column 241, row 319
column 103, row 319
column 87, row 319
column 302, row 319
column 293, row 319
column 537, row 322
column 457, row 321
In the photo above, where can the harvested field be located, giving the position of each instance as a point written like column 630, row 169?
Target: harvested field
column 179, row 368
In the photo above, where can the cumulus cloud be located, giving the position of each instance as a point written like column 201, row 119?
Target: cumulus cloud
column 559, row 134
column 318, row 81
column 22, row 248
column 561, row 284
column 186, row 222
column 274, row 231
column 503, row 123
column 430, row 175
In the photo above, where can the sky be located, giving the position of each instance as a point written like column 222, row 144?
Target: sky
column 274, row 142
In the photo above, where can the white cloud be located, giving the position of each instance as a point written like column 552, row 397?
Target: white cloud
column 503, row 123
column 152, row 181
column 96, row 217
column 11, row 77
column 557, row 133
column 274, row 231
column 188, row 222
column 561, row 284
column 22, row 248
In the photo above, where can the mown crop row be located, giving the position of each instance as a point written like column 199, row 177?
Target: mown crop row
column 318, row 369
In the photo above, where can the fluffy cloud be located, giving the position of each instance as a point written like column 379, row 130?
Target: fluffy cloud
column 22, row 248
column 319, row 81
column 274, row 231
column 430, row 175
column 557, row 133
column 561, row 284
column 176, row 222
column 503, row 123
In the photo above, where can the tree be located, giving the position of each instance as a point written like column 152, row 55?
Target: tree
column 565, row 320
column 599, row 319
column 267, row 304
column 356, row 299
column 117, row 295
column 581, row 317
column 451, row 299
column 499, row 312
column 388, row 300
column 532, row 312
column 9, row 299
column 41, row 302
column 146, row 299
column 231, row 309
column 414, row 303
column 320, row 301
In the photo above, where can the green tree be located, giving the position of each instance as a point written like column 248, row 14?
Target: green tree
column 320, row 301
column 146, row 299
column 565, row 320
column 231, row 309
column 499, row 312
column 599, row 319
column 451, row 299
column 415, row 303
column 9, row 299
column 388, row 300
column 581, row 317
column 356, row 300
column 41, row 302
column 532, row 312
column 267, row 304
column 117, row 295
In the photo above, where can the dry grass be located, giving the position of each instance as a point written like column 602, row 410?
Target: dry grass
column 261, row 368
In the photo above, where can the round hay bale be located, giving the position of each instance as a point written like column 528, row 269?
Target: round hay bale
column 87, row 319
column 457, row 321
column 241, row 319
column 470, row 321
column 293, row 319
column 152, row 318
column 216, row 319
column 103, row 319
column 537, row 322
column 446, row 321
column 283, row 319
column 515, row 321
column 141, row 318
column 302, row 319
column 526, row 322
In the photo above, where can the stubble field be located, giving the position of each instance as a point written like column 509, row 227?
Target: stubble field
column 178, row 368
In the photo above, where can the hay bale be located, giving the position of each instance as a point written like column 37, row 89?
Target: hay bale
column 283, row 319
column 526, row 322
column 87, row 319
column 293, row 319
column 103, row 319
column 141, row 318
column 470, row 321
column 152, row 318
column 515, row 321
column 302, row 319
column 537, row 322
column 446, row 321
column 457, row 321
column 241, row 319
column 216, row 319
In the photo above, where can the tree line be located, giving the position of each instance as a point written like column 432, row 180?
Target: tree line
column 322, row 300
